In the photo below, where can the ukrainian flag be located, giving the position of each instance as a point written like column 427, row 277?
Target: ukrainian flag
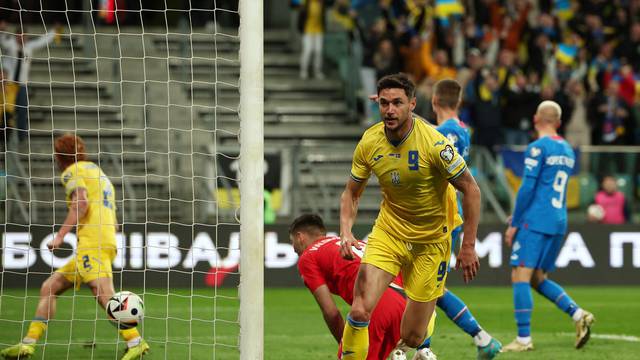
column 562, row 9
column 566, row 53
column 447, row 8
column 513, row 162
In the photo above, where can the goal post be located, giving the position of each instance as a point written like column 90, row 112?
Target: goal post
column 251, row 180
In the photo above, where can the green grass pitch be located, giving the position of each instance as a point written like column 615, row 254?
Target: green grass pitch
column 294, row 328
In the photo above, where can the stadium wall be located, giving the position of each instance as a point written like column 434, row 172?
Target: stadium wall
column 157, row 255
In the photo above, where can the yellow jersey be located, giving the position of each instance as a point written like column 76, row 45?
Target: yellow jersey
column 418, row 203
column 97, row 229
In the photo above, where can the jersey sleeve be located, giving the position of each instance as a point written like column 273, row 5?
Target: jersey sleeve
column 71, row 180
column 533, row 159
column 446, row 159
column 310, row 273
column 360, row 168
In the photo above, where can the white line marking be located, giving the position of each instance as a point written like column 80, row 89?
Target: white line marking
column 628, row 338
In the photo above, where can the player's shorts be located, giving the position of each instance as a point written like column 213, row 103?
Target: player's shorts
column 424, row 266
column 89, row 265
column 535, row 250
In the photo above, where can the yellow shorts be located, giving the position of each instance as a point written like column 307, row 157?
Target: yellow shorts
column 424, row 266
column 88, row 265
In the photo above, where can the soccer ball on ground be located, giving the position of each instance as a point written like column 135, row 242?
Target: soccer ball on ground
column 125, row 310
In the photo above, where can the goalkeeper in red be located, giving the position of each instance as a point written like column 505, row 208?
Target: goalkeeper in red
column 326, row 273
column 415, row 166
column 91, row 202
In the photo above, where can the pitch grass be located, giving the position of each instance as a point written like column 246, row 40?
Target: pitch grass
column 294, row 328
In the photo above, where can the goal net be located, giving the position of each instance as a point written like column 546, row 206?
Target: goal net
column 159, row 92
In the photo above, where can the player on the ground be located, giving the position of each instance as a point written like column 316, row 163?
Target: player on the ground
column 91, row 201
column 325, row 272
column 415, row 165
column 538, row 225
column 445, row 103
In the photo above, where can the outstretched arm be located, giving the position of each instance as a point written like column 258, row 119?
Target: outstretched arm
column 330, row 312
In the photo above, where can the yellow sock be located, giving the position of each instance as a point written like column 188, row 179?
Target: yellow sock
column 130, row 334
column 355, row 340
column 37, row 328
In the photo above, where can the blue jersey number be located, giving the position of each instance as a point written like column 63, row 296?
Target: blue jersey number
column 442, row 270
column 413, row 160
column 107, row 193
column 559, row 186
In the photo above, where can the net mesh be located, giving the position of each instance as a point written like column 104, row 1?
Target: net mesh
column 153, row 91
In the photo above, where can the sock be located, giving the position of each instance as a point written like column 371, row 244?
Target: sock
column 37, row 327
column 524, row 340
column 523, row 304
column 482, row 338
column 131, row 336
column 355, row 339
column 458, row 312
column 556, row 294
column 577, row 315
column 425, row 344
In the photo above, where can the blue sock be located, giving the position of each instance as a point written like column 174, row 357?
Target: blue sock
column 556, row 294
column 523, row 304
column 458, row 312
column 426, row 343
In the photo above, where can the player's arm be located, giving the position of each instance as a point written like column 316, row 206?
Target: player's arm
column 348, row 212
column 330, row 311
column 77, row 210
column 533, row 164
column 360, row 172
column 467, row 257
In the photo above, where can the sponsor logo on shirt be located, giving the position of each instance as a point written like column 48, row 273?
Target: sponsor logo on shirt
column 377, row 157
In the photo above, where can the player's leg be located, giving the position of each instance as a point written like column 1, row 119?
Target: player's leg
column 556, row 294
column 369, row 287
column 459, row 313
column 55, row 285
column 523, row 306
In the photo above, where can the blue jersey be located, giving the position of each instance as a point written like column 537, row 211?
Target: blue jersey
column 458, row 135
column 541, row 204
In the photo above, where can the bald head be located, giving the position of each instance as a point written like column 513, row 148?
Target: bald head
column 549, row 112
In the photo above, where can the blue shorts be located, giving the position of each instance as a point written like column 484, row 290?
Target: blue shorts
column 536, row 250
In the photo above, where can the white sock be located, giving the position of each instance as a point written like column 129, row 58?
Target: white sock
column 577, row 315
column 28, row 340
column 134, row 342
column 482, row 338
column 524, row 340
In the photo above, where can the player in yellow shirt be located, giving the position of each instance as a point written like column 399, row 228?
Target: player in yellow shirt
column 415, row 166
column 91, row 201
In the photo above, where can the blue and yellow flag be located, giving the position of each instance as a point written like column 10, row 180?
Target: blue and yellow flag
column 514, row 168
column 566, row 53
column 562, row 9
column 447, row 8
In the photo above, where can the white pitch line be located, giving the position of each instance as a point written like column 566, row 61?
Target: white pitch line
column 628, row 338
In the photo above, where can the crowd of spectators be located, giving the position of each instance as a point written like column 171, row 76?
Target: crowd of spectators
column 509, row 56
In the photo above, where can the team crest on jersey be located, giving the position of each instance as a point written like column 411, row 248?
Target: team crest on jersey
column 535, row 151
column 447, row 153
column 395, row 178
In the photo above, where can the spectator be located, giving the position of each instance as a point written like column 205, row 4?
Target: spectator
column 629, row 48
column 486, row 109
column 311, row 23
column 17, row 62
column 612, row 117
column 612, row 202
column 8, row 92
column 522, row 103
column 386, row 59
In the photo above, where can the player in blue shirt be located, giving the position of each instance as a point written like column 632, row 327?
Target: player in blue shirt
column 445, row 102
column 538, row 227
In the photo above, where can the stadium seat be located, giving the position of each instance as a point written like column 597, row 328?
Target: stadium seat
column 625, row 185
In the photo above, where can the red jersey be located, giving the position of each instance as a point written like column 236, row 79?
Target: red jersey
column 321, row 264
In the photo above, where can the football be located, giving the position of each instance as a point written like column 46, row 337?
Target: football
column 125, row 310
column 595, row 212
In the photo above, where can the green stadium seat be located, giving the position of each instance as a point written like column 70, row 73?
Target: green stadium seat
column 625, row 185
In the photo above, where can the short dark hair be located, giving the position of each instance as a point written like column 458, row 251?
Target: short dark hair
column 448, row 93
column 397, row 81
column 307, row 223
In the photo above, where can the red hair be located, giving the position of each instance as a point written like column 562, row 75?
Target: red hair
column 69, row 149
